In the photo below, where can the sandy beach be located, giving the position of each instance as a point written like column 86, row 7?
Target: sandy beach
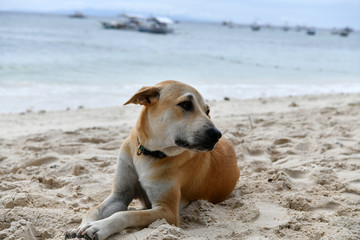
column 299, row 159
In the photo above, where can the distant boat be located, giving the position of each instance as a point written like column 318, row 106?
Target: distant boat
column 255, row 27
column 349, row 29
column 311, row 31
column 126, row 22
column 118, row 25
column 77, row 15
column 157, row 25
column 345, row 32
column 286, row 27
column 335, row 31
column 230, row 24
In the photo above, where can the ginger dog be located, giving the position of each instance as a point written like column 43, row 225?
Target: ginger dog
column 174, row 155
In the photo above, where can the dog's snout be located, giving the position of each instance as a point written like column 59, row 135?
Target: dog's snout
column 213, row 133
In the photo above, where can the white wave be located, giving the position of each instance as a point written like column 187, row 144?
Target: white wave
column 21, row 97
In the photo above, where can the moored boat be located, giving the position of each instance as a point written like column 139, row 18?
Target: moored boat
column 77, row 15
column 255, row 27
column 156, row 25
column 311, row 31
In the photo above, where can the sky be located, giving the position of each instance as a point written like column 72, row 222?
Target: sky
column 318, row 13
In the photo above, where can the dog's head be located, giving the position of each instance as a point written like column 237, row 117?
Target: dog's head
column 175, row 115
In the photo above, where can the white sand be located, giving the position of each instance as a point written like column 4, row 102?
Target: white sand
column 299, row 159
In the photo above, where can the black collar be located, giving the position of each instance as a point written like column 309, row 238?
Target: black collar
column 142, row 150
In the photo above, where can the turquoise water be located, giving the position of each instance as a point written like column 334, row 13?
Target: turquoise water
column 54, row 62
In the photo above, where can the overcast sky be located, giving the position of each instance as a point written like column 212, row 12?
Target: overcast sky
column 320, row 13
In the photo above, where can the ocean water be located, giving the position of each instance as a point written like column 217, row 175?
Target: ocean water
column 50, row 62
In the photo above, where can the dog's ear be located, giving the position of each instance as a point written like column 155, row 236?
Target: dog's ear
column 145, row 96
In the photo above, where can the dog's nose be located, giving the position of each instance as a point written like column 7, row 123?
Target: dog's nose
column 213, row 133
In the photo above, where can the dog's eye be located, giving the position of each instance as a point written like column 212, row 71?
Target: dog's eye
column 208, row 112
column 187, row 105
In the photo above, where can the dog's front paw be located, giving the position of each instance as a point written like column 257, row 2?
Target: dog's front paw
column 97, row 230
column 85, row 230
column 70, row 234
column 74, row 233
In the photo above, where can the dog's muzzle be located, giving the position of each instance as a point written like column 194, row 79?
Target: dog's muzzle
column 203, row 142
column 213, row 136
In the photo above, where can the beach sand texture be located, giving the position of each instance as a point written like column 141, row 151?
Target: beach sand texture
column 299, row 159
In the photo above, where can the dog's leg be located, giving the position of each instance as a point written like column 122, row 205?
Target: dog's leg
column 168, row 209
column 125, row 189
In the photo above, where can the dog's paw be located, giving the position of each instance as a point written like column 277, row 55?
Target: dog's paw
column 70, row 234
column 84, row 231
column 96, row 230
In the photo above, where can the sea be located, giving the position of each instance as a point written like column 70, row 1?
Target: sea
column 53, row 62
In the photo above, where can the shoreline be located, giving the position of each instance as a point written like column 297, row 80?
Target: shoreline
column 247, row 106
column 298, row 158
column 52, row 97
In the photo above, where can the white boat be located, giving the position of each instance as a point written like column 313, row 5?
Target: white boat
column 157, row 25
column 125, row 22
column 115, row 25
